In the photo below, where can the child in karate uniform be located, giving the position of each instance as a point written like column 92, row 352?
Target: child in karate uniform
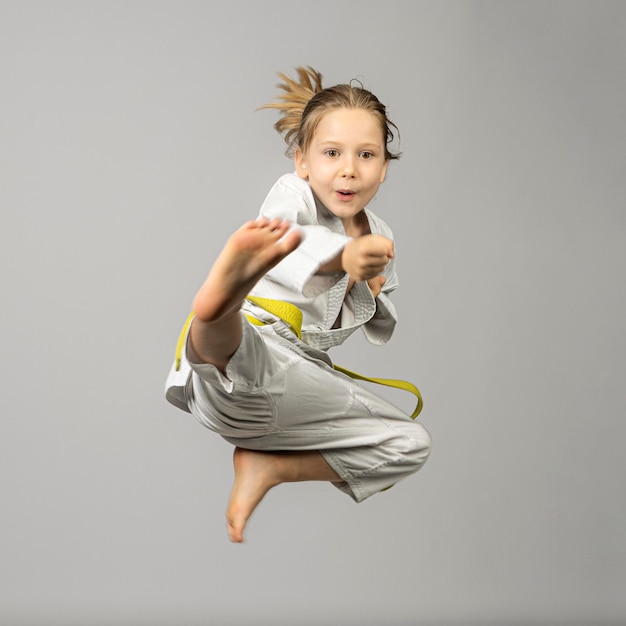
column 265, row 383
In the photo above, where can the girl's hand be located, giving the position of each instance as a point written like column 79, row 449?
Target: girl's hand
column 365, row 257
column 376, row 284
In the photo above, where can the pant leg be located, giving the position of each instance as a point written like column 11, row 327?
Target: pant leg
column 277, row 397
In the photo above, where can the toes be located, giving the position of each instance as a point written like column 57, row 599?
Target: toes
column 291, row 241
column 235, row 523
column 294, row 238
column 235, row 532
column 275, row 223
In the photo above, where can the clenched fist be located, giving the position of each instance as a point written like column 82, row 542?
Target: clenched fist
column 366, row 257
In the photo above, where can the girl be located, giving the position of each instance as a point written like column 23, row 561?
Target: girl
column 249, row 368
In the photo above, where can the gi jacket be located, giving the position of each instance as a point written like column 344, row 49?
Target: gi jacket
column 322, row 296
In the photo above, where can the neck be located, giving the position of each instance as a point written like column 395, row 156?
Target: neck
column 357, row 225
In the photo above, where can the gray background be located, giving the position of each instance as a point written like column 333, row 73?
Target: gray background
column 130, row 148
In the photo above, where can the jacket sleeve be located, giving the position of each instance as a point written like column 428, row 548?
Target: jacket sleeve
column 292, row 199
column 379, row 329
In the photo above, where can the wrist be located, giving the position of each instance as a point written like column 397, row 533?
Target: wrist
column 333, row 266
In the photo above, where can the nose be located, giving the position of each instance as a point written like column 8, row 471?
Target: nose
column 348, row 167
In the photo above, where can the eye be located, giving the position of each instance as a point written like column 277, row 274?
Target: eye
column 332, row 153
column 366, row 154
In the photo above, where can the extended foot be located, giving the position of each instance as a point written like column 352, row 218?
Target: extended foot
column 255, row 474
column 249, row 253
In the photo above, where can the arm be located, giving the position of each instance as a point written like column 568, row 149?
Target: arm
column 309, row 270
column 362, row 258
column 371, row 260
column 379, row 329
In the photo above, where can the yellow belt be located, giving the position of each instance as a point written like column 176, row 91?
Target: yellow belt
column 292, row 316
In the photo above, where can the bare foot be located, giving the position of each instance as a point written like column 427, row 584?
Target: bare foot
column 255, row 474
column 249, row 253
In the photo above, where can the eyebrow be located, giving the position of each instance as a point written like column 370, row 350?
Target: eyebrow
column 330, row 142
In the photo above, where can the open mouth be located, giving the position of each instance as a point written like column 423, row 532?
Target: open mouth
column 344, row 193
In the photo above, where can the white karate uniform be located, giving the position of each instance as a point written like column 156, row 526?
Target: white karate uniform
column 282, row 393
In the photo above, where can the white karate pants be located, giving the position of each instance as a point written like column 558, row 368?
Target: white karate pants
column 280, row 394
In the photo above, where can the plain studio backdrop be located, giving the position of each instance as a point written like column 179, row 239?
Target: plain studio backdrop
column 130, row 148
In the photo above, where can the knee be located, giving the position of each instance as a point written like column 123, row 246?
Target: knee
column 420, row 445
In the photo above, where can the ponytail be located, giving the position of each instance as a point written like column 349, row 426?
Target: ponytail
column 304, row 102
column 291, row 103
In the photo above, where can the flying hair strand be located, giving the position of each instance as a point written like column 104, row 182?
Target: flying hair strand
column 293, row 101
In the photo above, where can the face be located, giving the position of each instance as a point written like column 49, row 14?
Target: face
column 345, row 161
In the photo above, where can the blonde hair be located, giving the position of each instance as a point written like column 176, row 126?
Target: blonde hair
column 304, row 103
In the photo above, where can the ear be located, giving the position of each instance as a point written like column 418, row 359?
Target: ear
column 384, row 172
column 300, row 163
